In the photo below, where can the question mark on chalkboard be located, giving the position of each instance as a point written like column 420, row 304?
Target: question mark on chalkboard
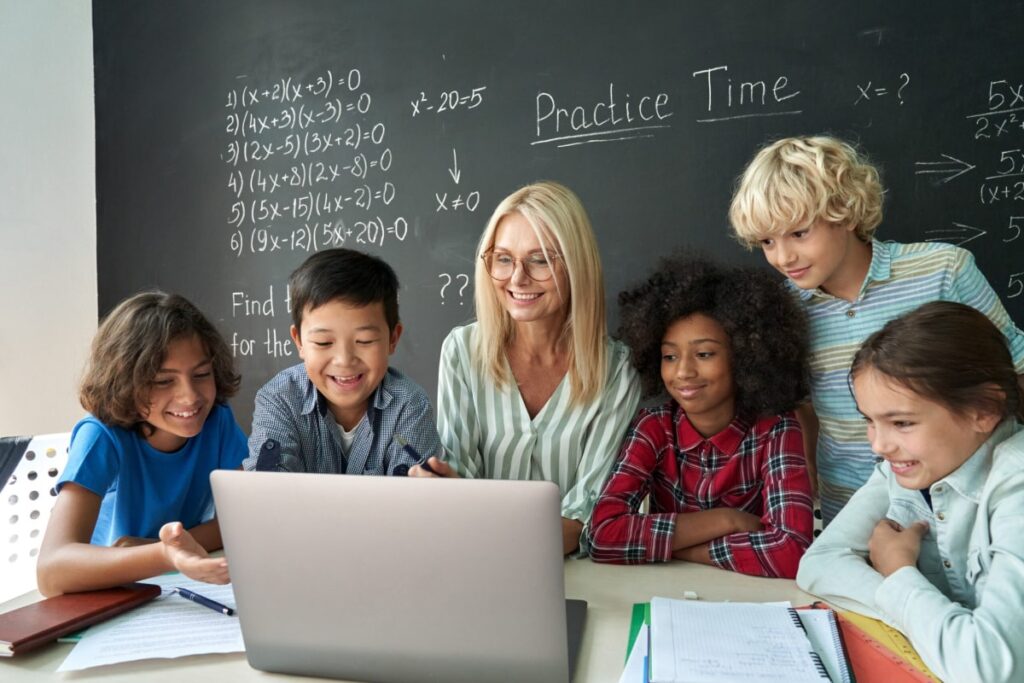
column 464, row 285
column 905, row 78
column 445, row 285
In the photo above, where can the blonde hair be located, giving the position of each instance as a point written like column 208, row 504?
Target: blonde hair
column 560, row 222
column 795, row 181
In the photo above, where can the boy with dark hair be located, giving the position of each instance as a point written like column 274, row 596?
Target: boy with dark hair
column 340, row 410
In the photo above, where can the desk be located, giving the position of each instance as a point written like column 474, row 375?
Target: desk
column 610, row 591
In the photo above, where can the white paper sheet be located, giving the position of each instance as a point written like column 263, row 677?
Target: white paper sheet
column 170, row 626
column 709, row 642
column 634, row 671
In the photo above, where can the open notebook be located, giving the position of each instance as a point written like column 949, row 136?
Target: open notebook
column 708, row 642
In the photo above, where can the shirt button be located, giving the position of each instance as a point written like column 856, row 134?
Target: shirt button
column 938, row 489
column 941, row 516
column 947, row 564
column 850, row 313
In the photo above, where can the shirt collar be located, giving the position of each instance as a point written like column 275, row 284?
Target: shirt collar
column 311, row 398
column 881, row 263
column 726, row 441
column 969, row 479
column 879, row 270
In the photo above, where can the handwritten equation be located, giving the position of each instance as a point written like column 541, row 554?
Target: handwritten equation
column 302, row 155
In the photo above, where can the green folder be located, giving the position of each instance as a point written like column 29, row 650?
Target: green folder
column 641, row 615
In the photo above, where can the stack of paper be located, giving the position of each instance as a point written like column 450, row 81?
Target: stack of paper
column 700, row 642
column 170, row 626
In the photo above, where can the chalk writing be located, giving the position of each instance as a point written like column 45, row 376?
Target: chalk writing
column 1004, row 112
column 1014, row 228
column 959, row 234
column 448, row 100
column 994, row 193
column 1016, row 285
column 448, row 279
column 456, row 202
column 870, row 90
column 606, row 120
column 944, row 170
column 755, row 96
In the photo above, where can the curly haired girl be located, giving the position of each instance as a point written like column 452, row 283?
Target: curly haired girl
column 723, row 458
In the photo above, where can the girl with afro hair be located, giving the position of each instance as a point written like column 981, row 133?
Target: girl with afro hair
column 723, row 459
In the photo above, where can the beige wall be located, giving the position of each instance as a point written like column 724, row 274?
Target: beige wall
column 48, row 300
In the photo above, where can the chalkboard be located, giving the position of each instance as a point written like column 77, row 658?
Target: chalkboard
column 234, row 138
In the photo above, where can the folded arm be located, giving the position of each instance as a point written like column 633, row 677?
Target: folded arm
column 836, row 565
column 786, row 515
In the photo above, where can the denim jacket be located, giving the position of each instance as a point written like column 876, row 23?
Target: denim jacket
column 962, row 605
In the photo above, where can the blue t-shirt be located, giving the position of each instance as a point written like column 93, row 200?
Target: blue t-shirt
column 143, row 488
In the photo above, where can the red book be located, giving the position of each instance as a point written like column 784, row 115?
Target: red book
column 47, row 620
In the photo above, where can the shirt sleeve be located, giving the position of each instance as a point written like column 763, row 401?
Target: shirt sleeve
column 94, row 461
column 618, row 533
column 416, row 424
column 957, row 643
column 787, row 517
column 458, row 425
column 836, row 567
column 616, row 407
column 969, row 286
column 272, row 419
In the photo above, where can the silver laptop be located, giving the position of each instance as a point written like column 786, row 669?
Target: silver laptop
column 393, row 579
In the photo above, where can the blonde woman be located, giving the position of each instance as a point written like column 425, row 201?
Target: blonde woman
column 535, row 388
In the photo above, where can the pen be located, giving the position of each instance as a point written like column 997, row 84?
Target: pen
column 420, row 460
column 205, row 602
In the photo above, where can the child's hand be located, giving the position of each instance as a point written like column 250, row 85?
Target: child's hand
column 440, row 467
column 191, row 559
column 892, row 547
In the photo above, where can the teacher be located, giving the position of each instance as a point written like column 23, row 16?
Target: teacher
column 535, row 388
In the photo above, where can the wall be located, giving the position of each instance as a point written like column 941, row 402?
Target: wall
column 47, row 212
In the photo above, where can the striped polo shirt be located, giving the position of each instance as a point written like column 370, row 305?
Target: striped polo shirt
column 901, row 278
column 487, row 432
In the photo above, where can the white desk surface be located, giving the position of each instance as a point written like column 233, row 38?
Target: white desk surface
column 610, row 591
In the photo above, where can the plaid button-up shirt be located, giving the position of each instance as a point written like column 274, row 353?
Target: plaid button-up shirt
column 755, row 466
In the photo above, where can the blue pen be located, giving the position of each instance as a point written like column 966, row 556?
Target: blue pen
column 205, row 602
column 420, row 460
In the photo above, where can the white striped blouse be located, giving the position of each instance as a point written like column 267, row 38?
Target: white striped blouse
column 487, row 432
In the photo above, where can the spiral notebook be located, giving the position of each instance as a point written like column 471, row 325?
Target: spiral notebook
column 709, row 642
column 822, row 627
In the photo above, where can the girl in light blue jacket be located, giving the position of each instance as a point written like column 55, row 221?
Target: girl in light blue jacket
column 933, row 544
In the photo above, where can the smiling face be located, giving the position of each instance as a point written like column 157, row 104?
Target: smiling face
column 181, row 395
column 345, row 348
column 528, row 300
column 819, row 255
column 922, row 440
column 696, row 368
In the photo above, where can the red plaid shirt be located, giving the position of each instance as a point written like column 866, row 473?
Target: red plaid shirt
column 756, row 467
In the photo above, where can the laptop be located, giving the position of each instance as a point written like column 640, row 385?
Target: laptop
column 397, row 579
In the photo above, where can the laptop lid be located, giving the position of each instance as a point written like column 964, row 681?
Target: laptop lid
column 396, row 579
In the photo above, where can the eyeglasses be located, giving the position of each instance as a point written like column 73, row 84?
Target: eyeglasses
column 501, row 265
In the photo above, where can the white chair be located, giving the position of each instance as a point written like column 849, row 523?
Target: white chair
column 29, row 467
